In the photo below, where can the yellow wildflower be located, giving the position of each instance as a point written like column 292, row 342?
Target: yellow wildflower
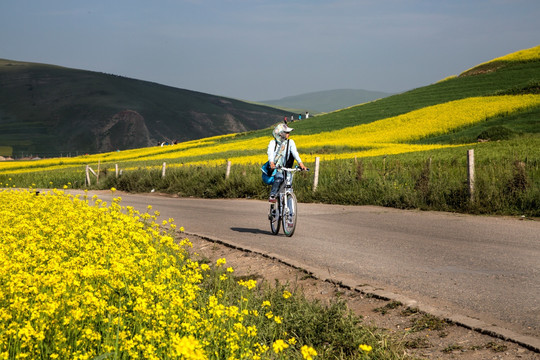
column 279, row 346
column 308, row 352
column 365, row 348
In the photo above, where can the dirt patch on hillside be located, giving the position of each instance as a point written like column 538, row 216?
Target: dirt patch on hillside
column 423, row 336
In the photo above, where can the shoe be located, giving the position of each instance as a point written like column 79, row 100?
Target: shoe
column 272, row 199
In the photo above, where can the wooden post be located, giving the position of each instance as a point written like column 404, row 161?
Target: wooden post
column 116, row 168
column 98, row 169
column 316, row 179
column 228, row 171
column 470, row 173
column 163, row 170
column 88, row 175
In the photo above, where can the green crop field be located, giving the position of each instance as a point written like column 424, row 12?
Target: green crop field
column 405, row 151
column 91, row 280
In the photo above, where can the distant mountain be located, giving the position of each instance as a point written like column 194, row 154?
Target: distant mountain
column 47, row 110
column 327, row 101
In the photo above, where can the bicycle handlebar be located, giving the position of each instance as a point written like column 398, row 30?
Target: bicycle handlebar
column 291, row 169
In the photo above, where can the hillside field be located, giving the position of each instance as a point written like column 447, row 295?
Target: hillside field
column 53, row 111
column 406, row 150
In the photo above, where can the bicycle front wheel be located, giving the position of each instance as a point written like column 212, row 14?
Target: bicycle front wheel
column 273, row 216
column 289, row 214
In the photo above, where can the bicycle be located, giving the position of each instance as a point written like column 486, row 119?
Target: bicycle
column 284, row 211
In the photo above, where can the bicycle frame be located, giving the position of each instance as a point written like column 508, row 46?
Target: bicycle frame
column 284, row 211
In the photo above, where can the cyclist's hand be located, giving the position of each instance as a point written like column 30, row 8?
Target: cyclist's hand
column 303, row 167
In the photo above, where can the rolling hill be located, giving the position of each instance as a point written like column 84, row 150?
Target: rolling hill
column 327, row 101
column 47, row 110
column 405, row 150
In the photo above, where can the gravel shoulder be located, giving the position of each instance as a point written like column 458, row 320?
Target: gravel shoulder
column 424, row 336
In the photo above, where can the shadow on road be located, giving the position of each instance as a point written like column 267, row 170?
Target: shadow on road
column 252, row 231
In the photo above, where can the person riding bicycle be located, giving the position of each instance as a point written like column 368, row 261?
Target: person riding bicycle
column 279, row 152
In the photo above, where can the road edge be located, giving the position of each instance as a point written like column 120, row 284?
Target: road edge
column 495, row 331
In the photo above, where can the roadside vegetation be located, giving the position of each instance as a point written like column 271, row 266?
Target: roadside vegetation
column 413, row 160
column 83, row 279
column 405, row 151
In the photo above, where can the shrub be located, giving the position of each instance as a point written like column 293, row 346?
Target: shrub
column 496, row 133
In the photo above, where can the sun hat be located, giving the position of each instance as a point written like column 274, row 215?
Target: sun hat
column 280, row 129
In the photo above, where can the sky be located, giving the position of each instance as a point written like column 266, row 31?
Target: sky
column 269, row 49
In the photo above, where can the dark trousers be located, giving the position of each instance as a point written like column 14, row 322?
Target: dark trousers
column 278, row 180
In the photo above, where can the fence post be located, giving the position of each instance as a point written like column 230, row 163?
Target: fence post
column 228, row 171
column 87, row 175
column 470, row 173
column 98, row 170
column 163, row 169
column 116, row 168
column 316, row 178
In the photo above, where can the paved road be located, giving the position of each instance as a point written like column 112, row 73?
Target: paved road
column 485, row 268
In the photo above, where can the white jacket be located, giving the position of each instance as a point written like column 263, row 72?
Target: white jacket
column 273, row 149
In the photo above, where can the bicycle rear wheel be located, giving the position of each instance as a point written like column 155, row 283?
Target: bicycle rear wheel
column 274, row 218
column 289, row 214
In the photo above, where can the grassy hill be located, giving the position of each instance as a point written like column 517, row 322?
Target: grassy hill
column 405, row 150
column 47, row 110
column 327, row 101
column 510, row 78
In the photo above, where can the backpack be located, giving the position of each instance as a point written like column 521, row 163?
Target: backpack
column 290, row 159
column 268, row 174
column 289, row 162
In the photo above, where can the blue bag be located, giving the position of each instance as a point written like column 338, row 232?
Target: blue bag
column 268, row 173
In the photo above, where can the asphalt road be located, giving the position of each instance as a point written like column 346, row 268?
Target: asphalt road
column 485, row 268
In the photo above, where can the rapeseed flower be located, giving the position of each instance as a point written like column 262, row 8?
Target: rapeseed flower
column 308, row 352
column 386, row 136
column 279, row 345
column 80, row 278
column 365, row 348
column 249, row 284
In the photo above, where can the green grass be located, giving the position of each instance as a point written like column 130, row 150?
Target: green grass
column 512, row 76
column 507, row 167
column 507, row 180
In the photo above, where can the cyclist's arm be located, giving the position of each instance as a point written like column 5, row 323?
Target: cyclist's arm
column 271, row 153
column 294, row 152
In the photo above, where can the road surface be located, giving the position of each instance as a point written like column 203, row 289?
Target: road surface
column 476, row 267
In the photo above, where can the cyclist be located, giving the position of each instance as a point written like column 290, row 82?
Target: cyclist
column 281, row 152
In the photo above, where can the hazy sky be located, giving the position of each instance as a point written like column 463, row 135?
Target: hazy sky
column 268, row 49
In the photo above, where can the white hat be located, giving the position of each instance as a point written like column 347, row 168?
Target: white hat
column 287, row 129
column 280, row 129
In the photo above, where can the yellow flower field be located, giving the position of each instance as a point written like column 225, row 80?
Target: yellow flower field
column 522, row 55
column 530, row 54
column 81, row 279
column 383, row 137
